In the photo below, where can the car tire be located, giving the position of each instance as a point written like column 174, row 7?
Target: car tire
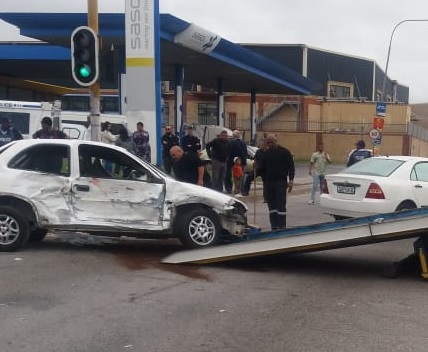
column 199, row 228
column 14, row 229
column 38, row 235
column 405, row 206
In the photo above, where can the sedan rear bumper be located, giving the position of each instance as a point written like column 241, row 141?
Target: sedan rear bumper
column 354, row 209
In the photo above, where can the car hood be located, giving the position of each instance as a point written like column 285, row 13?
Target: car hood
column 182, row 192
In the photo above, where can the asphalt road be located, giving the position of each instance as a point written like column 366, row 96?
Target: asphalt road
column 78, row 293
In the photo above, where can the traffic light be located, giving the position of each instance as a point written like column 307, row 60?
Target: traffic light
column 84, row 56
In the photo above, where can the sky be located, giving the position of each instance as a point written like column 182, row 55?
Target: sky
column 360, row 28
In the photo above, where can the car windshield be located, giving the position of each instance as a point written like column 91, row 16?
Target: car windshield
column 374, row 167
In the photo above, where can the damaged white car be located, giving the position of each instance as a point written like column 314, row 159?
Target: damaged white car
column 101, row 189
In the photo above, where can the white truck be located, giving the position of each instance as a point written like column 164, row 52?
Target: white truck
column 26, row 117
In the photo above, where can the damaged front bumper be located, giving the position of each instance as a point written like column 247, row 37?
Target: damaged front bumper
column 233, row 218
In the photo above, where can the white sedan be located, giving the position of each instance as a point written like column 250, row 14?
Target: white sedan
column 74, row 185
column 375, row 186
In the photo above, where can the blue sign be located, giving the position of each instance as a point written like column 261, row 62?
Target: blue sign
column 377, row 140
column 380, row 108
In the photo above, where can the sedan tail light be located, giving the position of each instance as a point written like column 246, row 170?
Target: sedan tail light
column 375, row 192
column 325, row 187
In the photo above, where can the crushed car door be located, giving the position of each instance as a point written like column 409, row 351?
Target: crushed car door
column 42, row 174
column 114, row 189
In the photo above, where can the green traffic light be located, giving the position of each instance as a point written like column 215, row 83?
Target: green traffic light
column 84, row 71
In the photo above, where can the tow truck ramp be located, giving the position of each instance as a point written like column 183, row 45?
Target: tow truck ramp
column 318, row 237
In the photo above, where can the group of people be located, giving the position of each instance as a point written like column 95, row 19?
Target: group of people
column 138, row 143
column 228, row 161
column 9, row 133
column 272, row 162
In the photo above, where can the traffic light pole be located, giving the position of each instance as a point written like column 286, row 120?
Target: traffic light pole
column 94, row 117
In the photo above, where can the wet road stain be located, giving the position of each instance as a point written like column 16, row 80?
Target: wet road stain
column 149, row 258
column 134, row 254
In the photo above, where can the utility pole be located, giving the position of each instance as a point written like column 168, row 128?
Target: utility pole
column 95, row 88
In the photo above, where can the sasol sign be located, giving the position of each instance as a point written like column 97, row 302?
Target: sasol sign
column 198, row 39
column 139, row 26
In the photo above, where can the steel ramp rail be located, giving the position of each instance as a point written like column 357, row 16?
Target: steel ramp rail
column 318, row 237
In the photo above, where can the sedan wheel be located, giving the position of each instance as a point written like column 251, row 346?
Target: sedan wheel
column 200, row 228
column 406, row 206
column 14, row 230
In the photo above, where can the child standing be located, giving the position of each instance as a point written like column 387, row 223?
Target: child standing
column 238, row 174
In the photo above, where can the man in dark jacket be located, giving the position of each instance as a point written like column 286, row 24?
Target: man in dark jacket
column 237, row 148
column 168, row 141
column 358, row 154
column 277, row 167
column 218, row 152
column 189, row 142
column 187, row 166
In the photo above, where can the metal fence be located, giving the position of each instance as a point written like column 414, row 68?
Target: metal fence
column 243, row 124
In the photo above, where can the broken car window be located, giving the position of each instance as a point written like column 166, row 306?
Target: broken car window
column 52, row 158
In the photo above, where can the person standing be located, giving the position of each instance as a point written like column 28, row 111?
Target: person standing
column 359, row 153
column 218, row 152
column 106, row 135
column 317, row 168
column 108, row 138
column 277, row 166
column 190, row 142
column 169, row 140
column 123, row 140
column 48, row 132
column 7, row 132
column 237, row 148
column 187, row 166
column 237, row 174
column 141, row 139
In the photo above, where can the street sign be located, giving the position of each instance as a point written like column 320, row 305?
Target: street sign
column 378, row 123
column 374, row 134
column 380, row 108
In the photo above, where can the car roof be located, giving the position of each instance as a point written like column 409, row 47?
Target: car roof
column 403, row 157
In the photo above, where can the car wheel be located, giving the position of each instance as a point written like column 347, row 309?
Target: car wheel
column 38, row 235
column 406, row 206
column 14, row 229
column 199, row 228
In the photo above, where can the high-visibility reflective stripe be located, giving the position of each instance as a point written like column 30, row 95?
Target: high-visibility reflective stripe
column 140, row 61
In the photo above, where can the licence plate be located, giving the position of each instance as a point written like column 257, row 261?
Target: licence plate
column 346, row 189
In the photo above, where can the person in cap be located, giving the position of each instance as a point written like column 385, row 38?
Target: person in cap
column 359, row 153
column 218, row 152
column 48, row 132
column 7, row 132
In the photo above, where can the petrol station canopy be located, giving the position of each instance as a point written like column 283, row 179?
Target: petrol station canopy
column 239, row 69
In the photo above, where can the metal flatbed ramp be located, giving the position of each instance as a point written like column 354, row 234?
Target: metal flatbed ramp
column 331, row 235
